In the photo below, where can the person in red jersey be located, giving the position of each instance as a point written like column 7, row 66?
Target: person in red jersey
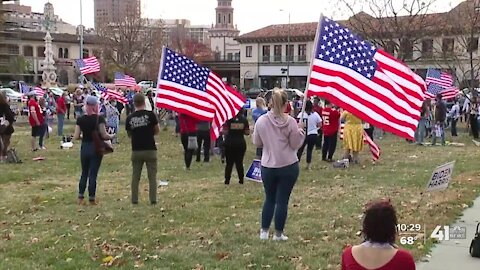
column 331, row 123
column 36, row 120
column 378, row 251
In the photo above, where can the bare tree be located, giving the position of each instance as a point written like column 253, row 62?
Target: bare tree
column 459, row 52
column 395, row 25
column 134, row 45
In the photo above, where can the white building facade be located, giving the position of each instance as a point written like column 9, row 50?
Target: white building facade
column 224, row 32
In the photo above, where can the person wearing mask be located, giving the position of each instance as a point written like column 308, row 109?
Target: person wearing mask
column 112, row 117
column 36, row 120
column 203, row 138
column 330, row 125
column 260, row 110
column 421, row 131
column 142, row 126
column 280, row 136
column 313, row 123
column 78, row 102
column 188, row 129
column 234, row 131
column 90, row 160
column 454, row 115
column 473, row 109
column 61, row 111
column 318, row 109
column 378, row 251
column 7, row 118
column 440, row 117
column 353, row 136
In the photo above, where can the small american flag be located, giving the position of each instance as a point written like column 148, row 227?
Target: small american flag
column 365, row 80
column 435, row 76
column 39, row 92
column 122, row 79
column 24, row 89
column 110, row 94
column 88, row 65
column 447, row 93
column 188, row 88
column 374, row 149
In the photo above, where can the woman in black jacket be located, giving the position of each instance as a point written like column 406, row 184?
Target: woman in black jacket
column 6, row 126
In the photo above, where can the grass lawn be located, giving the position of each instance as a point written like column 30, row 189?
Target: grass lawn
column 200, row 223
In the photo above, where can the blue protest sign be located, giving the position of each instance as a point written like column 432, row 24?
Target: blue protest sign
column 247, row 104
column 254, row 173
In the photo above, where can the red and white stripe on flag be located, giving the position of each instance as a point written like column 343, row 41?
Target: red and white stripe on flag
column 236, row 103
column 372, row 85
column 449, row 93
column 374, row 149
column 118, row 96
column 39, row 92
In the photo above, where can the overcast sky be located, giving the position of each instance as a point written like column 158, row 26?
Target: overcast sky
column 249, row 14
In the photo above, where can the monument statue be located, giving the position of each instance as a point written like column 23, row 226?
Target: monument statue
column 49, row 76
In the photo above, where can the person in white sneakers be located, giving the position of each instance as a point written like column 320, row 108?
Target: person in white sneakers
column 280, row 137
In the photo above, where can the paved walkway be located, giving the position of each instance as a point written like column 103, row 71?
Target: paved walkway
column 454, row 254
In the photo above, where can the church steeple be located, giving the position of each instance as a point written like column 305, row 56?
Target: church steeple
column 224, row 15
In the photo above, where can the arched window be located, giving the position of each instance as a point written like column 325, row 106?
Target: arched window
column 65, row 53
column 224, row 19
column 219, row 18
column 60, row 52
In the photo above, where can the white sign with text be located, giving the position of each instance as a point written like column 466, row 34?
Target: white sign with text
column 441, row 177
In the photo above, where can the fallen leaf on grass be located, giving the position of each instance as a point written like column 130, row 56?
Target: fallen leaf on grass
column 221, row 256
column 68, row 259
column 107, row 259
column 198, row 267
column 247, row 254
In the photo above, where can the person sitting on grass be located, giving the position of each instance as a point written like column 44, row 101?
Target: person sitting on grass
column 142, row 126
column 378, row 251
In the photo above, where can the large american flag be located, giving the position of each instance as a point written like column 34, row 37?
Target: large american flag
column 88, row 65
column 122, row 79
column 188, row 88
column 110, row 94
column 438, row 77
column 366, row 81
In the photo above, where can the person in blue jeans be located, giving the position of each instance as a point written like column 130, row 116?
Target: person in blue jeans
column 280, row 136
column 260, row 110
column 421, row 131
column 89, row 159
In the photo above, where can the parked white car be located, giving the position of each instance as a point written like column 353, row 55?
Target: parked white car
column 13, row 95
column 146, row 84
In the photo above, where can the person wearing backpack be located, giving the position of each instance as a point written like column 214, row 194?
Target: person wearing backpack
column 89, row 158
column 7, row 119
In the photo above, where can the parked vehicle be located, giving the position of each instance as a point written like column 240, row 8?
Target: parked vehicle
column 291, row 93
column 13, row 95
column 253, row 92
column 146, row 84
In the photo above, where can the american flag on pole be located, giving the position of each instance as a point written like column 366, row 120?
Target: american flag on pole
column 188, row 88
column 374, row 149
column 364, row 80
column 122, row 79
column 110, row 94
column 39, row 92
column 88, row 65
column 438, row 77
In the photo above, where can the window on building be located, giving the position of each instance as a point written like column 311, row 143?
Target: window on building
column 230, row 56
column 219, row 18
column 266, row 53
column 472, row 44
column 248, row 51
column 289, row 50
column 28, row 51
column 237, row 56
column 390, row 47
column 427, row 48
column 302, row 52
column 448, row 45
column 277, row 53
column 224, row 19
column 85, row 53
column 60, row 52
column 406, row 49
column 13, row 49
column 65, row 53
column 41, row 51
column 229, row 18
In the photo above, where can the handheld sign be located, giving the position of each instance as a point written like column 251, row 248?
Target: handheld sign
column 247, row 104
column 254, row 173
column 441, row 177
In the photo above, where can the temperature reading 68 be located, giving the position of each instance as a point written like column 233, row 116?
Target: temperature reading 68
column 407, row 240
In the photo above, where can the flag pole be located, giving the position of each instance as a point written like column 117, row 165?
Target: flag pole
column 314, row 51
column 160, row 70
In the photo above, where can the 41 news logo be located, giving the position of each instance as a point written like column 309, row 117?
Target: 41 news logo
column 446, row 233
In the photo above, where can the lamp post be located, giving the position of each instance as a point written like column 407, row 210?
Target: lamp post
column 80, row 29
column 288, row 48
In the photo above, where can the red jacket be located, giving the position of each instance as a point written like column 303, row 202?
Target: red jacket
column 61, row 106
column 187, row 123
